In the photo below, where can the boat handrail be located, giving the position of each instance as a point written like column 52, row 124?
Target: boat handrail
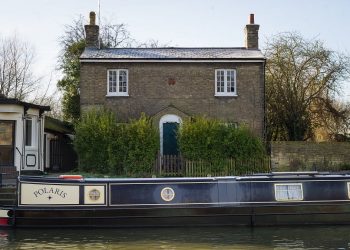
column 295, row 174
column 298, row 173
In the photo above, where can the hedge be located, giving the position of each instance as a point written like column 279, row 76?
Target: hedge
column 207, row 139
column 95, row 133
column 106, row 147
column 141, row 142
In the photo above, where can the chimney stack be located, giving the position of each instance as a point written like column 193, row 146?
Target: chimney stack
column 92, row 32
column 251, row 34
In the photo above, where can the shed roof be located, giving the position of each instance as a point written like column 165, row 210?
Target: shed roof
column 58, row 126
column 171, row 53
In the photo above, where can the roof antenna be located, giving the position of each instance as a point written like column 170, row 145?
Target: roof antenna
column 99, row 23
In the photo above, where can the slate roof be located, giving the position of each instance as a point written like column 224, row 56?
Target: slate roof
column 171, row 53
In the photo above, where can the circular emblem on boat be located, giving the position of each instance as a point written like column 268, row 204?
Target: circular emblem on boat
column 167, row 194
column 94, row 195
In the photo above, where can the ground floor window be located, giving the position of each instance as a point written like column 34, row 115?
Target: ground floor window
column 7, row 142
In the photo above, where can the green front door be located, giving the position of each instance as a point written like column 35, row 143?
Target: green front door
column 169, row 138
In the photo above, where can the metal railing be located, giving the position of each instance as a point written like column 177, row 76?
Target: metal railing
column 176, row 165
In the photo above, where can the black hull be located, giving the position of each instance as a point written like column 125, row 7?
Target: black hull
column 186, row 217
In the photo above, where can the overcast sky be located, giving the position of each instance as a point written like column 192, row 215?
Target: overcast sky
column 192, row 23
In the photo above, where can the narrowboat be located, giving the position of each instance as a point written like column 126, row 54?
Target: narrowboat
column 255, row 200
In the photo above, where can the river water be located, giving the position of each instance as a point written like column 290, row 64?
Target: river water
column 311, row 237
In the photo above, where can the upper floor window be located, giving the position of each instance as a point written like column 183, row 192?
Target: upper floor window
column 225, row 82
column 289, row 192
column 117, row 82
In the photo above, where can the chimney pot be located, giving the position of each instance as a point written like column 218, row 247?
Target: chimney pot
column 92, row 18
column 251, row 19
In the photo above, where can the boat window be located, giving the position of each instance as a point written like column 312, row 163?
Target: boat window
column 289, row 192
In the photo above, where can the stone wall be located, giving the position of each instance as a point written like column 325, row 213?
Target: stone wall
column 191, row 92
column 297, row 155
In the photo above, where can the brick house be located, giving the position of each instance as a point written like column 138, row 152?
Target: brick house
column 170, row 84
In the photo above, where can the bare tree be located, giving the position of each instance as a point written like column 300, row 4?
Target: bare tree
column 48, row 97
column 16, row 61
column 302, row 80
column 115, row 36
column 111, row 35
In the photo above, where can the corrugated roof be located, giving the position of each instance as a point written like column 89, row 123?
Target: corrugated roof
column 171, row 53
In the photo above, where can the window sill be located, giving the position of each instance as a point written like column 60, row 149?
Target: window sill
column 117, row 95
column 225, row 95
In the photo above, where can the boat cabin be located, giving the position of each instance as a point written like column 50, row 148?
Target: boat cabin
column 21, row 136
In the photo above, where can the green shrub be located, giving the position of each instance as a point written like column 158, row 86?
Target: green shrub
column 241, row 143
column 141, row 141
column 210, row 140
column 201, row 139
column 344, row 167
column 116, row 150
column 94, row 134
column 105, row 147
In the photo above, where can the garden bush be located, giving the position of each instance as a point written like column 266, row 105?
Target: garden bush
column 241, row 143
column 201, row 138
column 106, row 147
column 141, row 142
column 94, row 134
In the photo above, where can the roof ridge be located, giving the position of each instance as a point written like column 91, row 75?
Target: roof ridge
column 172, row 48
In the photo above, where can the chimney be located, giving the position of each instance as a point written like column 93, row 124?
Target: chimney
column 92, row 32
column 251, row 34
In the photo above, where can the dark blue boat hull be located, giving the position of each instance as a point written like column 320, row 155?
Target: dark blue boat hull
column 226, row 201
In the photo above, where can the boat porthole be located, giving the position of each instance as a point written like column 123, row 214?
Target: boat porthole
column 167, row 194
column 94, row 195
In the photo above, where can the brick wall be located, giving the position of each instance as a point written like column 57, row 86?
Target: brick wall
column 192, row 94
column 309, row 155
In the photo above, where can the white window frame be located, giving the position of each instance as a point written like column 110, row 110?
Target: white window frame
column 348, row 185
column 225, row 93
column 117, row 93
column 289, row 184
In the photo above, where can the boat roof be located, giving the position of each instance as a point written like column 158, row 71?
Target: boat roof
column 273, row 176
